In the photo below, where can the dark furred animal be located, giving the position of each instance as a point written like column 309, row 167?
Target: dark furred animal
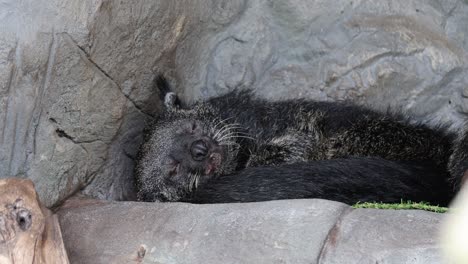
column 350, row 180
column 458, row 163
column 185, row 148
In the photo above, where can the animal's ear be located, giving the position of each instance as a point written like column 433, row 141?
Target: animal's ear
column 170, row 98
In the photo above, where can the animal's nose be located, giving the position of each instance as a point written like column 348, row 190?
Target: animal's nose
column 199, row 150
column 24, row 219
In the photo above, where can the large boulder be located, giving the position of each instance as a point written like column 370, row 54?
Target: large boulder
column 76, row 76
column 288, row 231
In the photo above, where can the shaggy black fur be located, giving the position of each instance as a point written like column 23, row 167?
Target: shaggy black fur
column 185, row 148
column 349, row 180
column 458, row 164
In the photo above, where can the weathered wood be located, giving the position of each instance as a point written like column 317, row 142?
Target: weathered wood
column 29, row 232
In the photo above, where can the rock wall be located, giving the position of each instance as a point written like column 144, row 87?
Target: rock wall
column 76, row 76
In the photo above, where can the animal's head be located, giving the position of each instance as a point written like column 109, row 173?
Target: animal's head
column 185, row 148
column 181, row 154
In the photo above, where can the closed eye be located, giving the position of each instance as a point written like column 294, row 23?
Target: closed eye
column 173, row 166
column 171, row 161
column 173, row 171
column 194, row 126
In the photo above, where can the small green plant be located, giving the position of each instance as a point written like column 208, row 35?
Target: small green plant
column 403, row 205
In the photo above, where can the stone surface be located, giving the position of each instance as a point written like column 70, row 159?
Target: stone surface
column 384, row 236
column 288, row 231
column 270, row 232
column 76, row 76
column 407, row 55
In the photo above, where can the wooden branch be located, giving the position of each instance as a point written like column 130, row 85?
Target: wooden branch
column 29, row 232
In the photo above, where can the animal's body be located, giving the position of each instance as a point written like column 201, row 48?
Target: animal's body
column 458, row 163
column 186, row 147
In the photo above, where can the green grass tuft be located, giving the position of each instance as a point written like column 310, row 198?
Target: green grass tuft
column 403, row 205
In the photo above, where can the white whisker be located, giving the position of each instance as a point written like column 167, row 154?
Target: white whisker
column 236, row 136
column 246, row 136
column 197, row 178
column 231, row 133
column 225, row 129
column 190, row 187
column 220, row 122
column 230, row 126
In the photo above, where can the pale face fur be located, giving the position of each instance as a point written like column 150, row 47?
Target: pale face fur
column 180, row 155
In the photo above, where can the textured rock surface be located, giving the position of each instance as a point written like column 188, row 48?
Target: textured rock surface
column 410, row 55
column 76, row 76
column 384, row 236
column 289, row 231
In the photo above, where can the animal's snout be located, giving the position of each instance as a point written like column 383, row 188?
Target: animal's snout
column 24, row 219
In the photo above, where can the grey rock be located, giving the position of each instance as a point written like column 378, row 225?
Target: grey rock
column 290, row 231
column 384, row 236
column 77, row 113
column 408, row 55
column 287, row 231
column 76, row 77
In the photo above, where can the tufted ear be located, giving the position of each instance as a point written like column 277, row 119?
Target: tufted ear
column 170, row 98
